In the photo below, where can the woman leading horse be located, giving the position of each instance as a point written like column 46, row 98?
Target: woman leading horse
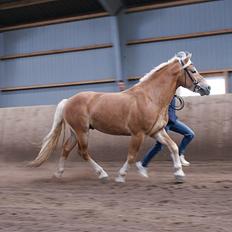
column 137, row 112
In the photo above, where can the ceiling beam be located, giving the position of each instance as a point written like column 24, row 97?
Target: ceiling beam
column 111, row 6
column 22, row 3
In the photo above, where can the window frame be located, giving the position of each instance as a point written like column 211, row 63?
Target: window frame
column 211, row 74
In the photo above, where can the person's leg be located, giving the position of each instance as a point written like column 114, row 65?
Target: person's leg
column 181, row 128
column 151, row 154
column 142, row 165
column 154, row 150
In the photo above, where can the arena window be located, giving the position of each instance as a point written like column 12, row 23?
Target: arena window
column 217, row 81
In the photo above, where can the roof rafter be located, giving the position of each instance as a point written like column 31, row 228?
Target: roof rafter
column 112, row 6
column 22, row 3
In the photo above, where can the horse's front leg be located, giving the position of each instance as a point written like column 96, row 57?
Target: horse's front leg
column 164, row 138
column 136, row 141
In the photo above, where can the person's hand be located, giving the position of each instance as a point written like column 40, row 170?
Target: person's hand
column 121, row 85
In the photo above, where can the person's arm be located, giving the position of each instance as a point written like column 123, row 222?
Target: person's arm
column 171, row 111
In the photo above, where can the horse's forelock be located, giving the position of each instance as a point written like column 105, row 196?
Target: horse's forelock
column 182, row 56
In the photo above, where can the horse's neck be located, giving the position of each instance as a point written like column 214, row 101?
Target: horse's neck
column 161, row 85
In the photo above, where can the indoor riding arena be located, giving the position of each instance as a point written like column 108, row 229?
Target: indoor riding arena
column 51, row 50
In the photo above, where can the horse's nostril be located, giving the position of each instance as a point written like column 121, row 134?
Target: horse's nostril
column 209, row 88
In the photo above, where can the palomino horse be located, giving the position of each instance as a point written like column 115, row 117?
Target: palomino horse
column 137, row 112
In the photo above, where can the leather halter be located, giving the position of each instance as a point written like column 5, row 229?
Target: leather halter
column 194, row 81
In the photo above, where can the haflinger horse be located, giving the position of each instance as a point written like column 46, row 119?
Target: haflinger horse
column 137, row 112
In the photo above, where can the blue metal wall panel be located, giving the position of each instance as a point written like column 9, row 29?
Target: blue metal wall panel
column 1, row 44
column 212, row 52
column 58, row 68
column 1, row 63
column 65, row 35
column 67, row 67
column 178, row 20
column 49, row 96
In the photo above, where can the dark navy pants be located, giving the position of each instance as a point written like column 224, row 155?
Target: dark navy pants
column 178, row 127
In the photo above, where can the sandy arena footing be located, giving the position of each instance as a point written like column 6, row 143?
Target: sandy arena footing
column 31, row 200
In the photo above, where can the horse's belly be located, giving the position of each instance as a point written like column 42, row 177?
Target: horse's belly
column 110, row 128
column 109, row 123
column 110, row 115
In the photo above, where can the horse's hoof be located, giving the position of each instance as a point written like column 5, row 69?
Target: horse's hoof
column 103, row 175
column 57, row 176
column 179, row 179
column 141, row 170
column 120, row 179
column 179, row 173
column 104, row 179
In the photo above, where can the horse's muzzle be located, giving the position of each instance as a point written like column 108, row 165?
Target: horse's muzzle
column 203, row 90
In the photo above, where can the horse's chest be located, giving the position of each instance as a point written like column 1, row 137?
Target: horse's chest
column 157, row 124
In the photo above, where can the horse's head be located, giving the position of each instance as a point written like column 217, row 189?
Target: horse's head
column 190, row 78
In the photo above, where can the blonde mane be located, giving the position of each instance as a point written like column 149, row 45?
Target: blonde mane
column 157, row 68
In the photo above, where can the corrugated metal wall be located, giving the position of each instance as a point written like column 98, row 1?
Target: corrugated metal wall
column 58, row 68
column 1, row 63
column 212, row 52
column 204, row 16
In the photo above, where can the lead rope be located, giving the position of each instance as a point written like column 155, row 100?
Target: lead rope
column 179, row 106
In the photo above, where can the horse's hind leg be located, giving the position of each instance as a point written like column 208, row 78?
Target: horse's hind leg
column 67, row 148
column 136, row 141
column 82, row 138
column 164, row 138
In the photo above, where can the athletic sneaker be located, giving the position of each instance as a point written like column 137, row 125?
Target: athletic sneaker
column 183, row 161
column 142, row 169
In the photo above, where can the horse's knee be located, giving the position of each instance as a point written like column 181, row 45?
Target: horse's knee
column 84, row 155
column 175, row 148
column 68, row 146
column 65, row 153
column 131, row 159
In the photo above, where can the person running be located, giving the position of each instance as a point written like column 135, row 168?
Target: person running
column 174, row 124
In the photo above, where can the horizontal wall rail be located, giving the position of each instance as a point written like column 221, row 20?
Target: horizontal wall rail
column 110, row 80
column 54, row 21
column 23, row 3
column 176, row 37
column 56, row 51
column 207, row 72
column 163, row 5
column 57, row 85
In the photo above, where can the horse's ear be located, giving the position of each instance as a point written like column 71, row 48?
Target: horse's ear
column 184, row 58
column 187, row 58
column 181, row 55
column 188, row 55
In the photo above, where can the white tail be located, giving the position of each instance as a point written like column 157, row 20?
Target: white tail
column 51, row 140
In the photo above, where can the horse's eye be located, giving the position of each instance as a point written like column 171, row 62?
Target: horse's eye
column 193, row 71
